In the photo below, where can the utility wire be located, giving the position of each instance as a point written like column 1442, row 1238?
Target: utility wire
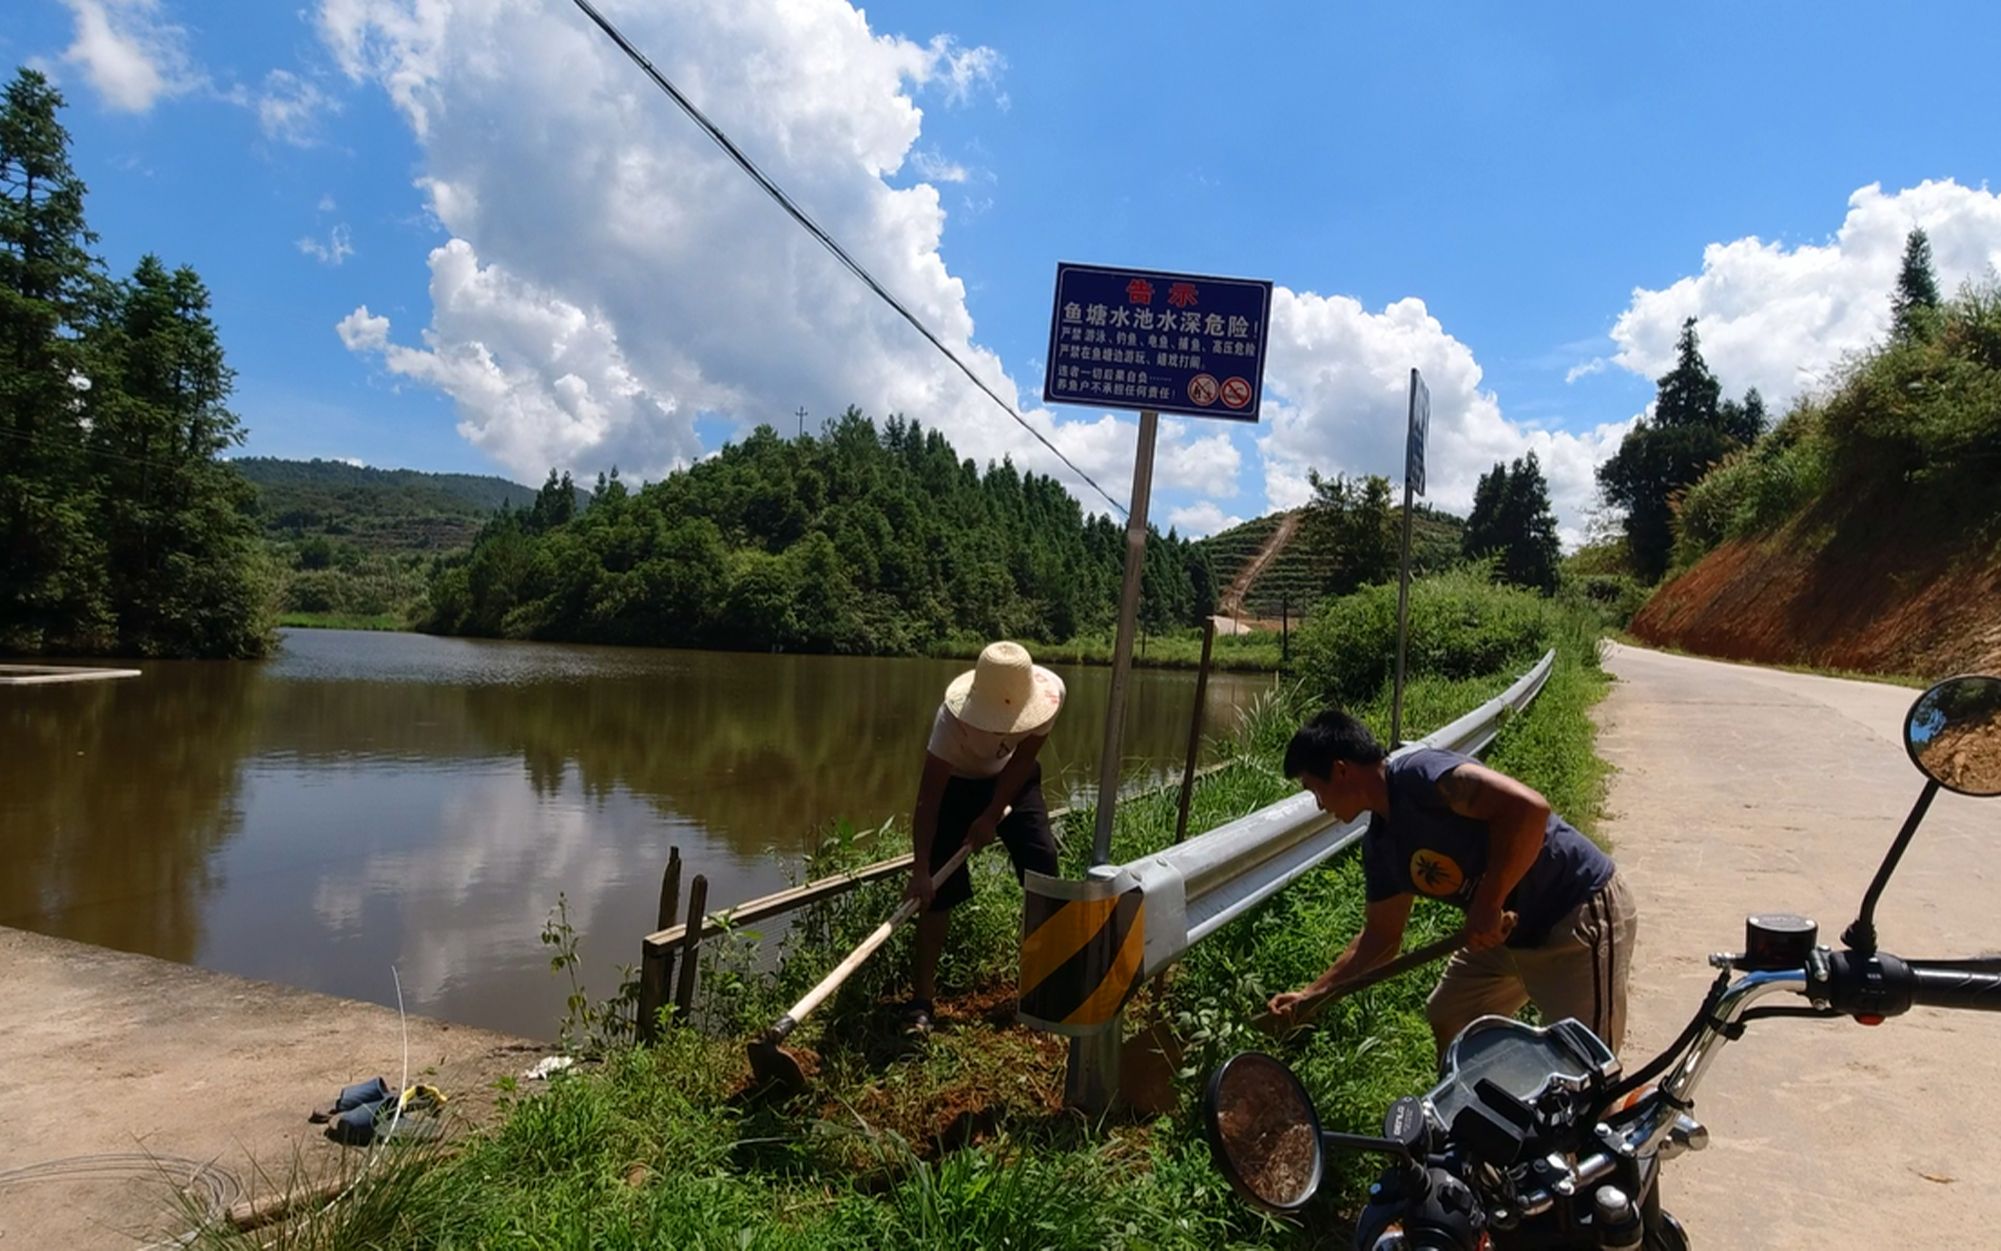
column 826, row 240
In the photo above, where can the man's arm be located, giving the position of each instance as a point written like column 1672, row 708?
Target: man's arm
column 924, row 824
column 1517, row 821
column 1381, row 938
column 1006, row 787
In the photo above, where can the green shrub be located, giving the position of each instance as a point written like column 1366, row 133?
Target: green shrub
column 1612, row 598
column 1755, row 490
column 1461, row 626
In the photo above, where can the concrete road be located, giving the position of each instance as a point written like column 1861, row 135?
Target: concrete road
column 103, row 1053
column 1746, row 790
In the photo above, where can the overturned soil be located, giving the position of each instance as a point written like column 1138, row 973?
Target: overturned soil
column 1878, row 596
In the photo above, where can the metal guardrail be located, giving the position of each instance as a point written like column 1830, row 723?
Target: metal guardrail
column 1191, row 890
column 671, row 942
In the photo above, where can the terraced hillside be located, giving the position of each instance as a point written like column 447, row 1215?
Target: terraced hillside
column 1270, row 567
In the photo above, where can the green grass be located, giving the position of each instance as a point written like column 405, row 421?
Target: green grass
column 341, row 621
column 965, row 1144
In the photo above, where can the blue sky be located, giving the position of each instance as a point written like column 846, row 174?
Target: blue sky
column 468, row 236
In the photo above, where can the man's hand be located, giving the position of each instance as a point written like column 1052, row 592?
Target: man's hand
column 1486, row 925
column 982, row 830
column 920, row 887
column 1282, row 1004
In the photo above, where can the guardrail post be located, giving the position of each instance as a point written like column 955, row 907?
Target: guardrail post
column 1092, row 1079
column 656, row 967
column 691, row 948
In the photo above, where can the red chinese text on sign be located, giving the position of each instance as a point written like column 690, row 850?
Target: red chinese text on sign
column 1181, row 294
column 1139, row 291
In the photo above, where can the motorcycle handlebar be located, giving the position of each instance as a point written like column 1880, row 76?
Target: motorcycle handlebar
column 1883, row 985
column 1936, row 987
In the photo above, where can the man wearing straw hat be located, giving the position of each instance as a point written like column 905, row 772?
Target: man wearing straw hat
column 980, row 779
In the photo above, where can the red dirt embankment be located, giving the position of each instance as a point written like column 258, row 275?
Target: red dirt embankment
column 1872, row 599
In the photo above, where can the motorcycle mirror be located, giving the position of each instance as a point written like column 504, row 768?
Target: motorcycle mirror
column 1263, row 1132
column 1953, row 734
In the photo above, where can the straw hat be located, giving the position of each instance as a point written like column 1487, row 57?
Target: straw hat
column 1005, row 693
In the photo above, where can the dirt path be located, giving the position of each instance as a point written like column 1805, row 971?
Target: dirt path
column 1743, row 790
column 107, row 1053
column 1232, row 602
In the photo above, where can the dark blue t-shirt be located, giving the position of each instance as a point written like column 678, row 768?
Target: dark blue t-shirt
column 1425, row 847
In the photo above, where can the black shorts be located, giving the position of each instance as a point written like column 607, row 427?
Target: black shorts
column 1024, row 832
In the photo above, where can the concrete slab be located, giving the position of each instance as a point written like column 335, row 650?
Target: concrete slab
column 121, row 1075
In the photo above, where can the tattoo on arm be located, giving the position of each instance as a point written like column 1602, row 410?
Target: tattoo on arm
column 1461, row 791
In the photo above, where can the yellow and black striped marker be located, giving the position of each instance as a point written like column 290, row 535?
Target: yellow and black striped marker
column 1082, row 947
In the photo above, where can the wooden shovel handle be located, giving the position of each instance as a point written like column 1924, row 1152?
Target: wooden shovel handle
column 877, row 937
column 1416, row 957
column 1308, row 1007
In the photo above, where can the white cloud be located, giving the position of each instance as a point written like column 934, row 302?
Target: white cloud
column 964, row 70
column 932, row 167
column 1337, row 400
column 535, row 377
column 610, row 276
column 356, row 461
column 1198, row 520
column 1596, row 365
column 1779, row 318
column 338, row 247
column 290, row 109
column 130, row 53
column 326, row 204
column 361, row 331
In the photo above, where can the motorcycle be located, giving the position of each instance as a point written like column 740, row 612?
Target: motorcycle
column 1534, row 1137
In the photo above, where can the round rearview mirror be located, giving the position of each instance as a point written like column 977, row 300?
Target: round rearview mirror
column 1954, row 734
column 1263, row 1132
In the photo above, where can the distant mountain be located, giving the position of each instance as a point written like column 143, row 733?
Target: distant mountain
column 376, row 509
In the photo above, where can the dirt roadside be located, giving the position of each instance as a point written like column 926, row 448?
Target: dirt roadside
column 107, row 1053
column 1743, row 790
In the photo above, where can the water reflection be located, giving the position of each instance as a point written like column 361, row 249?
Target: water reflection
column 373, row 799
column 113, row 802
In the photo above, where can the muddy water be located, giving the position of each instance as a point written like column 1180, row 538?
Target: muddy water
column 364, row 801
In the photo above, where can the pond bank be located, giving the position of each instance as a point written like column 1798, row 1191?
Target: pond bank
column 113, row 1054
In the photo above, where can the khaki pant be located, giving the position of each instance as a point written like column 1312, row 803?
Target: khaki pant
column 1579, row 971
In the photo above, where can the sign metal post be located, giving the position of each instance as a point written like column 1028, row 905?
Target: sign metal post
column 1158, row 342
column 1413, row 482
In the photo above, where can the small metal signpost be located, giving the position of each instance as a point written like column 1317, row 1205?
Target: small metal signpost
column 1158, row 342
column 1413, row 482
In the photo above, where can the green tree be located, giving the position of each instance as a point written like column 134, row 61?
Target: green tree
column 1512, row 523
column 1351, row 531
column 179, row 538
column 1662, row 455
column 51, row 567
column 1914, row 305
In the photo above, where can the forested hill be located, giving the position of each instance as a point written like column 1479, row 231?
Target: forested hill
column 377, row 509
column 1864, row 530
column 857, row 539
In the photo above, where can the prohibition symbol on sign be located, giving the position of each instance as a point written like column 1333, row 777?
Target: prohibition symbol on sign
column 1202, row 389
column 1236, row 393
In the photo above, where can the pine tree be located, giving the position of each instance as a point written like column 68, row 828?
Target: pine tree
column 180, row 544
column 51, row 579
column 1915, row 302
column 1512, row 522
column 1688, row 394
column 1690, row 430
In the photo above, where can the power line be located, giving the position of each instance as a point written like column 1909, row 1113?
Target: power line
column 826, row 240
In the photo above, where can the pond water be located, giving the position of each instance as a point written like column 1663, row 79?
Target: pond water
column 369, row 800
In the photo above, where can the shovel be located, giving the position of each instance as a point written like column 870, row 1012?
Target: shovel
column 772, row 1064
column 1309, row 1007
